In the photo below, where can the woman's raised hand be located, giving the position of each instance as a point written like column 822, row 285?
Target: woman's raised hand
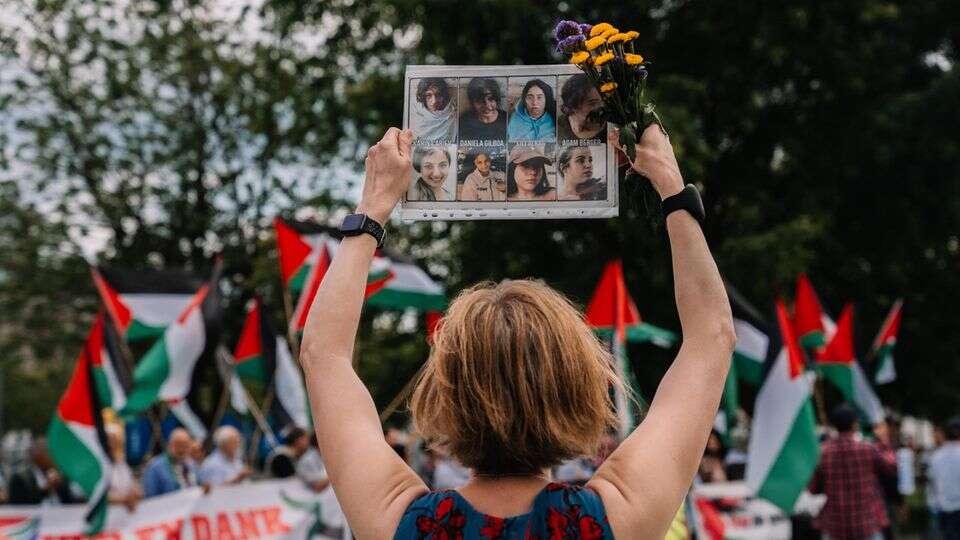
column 388, row 174
column 655, row 160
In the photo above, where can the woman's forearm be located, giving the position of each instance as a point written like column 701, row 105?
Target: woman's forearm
column 335, row 313
column 701, row 297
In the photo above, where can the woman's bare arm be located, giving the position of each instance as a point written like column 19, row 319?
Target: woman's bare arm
column 645, row 480
column 374, row 486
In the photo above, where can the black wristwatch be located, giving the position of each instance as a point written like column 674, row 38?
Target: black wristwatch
column 688, row 199
column 356, row 224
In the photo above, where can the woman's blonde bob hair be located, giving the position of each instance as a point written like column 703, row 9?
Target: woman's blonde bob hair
column 516, row 380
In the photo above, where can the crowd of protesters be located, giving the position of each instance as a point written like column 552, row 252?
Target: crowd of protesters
column 865, row 474
column 865, row 478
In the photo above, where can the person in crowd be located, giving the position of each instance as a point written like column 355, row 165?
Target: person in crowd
column 575, row 166
column 433, row 165
column 310, row 468
column 712, row 463
column 484, row 184
column 735, row 460
column 197, row 452
column 580, row 101
column 850, row 474
column 282, row 460
column 124, row 488
column 39, row 480
column 944, row 477
column 485, row 120
column 516, row 383
column 224, row 466
column 3, row 487
column 930, row 496
column 434, row 111
column 527, row 175
column 172, row 470
column 532, row 118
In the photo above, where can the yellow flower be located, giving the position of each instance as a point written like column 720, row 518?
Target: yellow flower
column 633, row 59
column 609, row 33
column 594, row 42
column 608, row 87
column 617, row 38
column 604, row 58
column 600, row 28
column 632, row 35
column 580, row 57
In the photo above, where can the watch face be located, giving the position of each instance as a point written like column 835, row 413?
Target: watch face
column 353, row 222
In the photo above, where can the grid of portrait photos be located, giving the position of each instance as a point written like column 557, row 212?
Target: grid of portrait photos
column 506, row 142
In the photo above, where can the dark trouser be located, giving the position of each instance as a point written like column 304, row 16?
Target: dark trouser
column 950, row 525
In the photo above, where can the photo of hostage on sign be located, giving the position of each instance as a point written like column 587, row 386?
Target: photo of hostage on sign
column 506, row 142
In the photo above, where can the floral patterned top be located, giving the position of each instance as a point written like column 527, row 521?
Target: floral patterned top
column 560, row 512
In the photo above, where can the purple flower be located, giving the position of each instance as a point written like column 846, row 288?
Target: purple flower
column 570, row 44
column 585, row 29
column 641, row 73
column 566, row 29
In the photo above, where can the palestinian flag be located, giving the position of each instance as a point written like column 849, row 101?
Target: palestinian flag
column 306, row 251
column 603, row 307
column 784, row 450
column 165, row 371
column 111, row 377
column 264, row 356
column 78, row 444
column 882, row 350
column 838, row 364
column 290, row 404
column 752, row 350
column 142, row 303
column 808, row 315
column 251, row 360
column 612, row 309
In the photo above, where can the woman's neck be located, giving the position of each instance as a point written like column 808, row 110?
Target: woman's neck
column 504, row 495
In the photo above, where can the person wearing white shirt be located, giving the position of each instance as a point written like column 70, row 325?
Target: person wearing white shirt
column 124, row 489
column 225, row 464
column 944, row 475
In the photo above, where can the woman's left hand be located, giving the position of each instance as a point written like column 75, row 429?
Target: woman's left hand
column 388, row 175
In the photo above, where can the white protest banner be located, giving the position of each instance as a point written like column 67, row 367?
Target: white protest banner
column 18, row 522
column 274, row 509
column 730, row 510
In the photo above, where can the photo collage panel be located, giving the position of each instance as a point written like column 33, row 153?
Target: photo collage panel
column 504, row 139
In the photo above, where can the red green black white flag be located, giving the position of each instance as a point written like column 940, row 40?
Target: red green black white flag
column 78, row 444
column 837, row 362
column 165, row 372
column 882, row 350
column 808, row 315
column 142, row 303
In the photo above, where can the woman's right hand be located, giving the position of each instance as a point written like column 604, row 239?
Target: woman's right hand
column 655, row 160
column 388, row 167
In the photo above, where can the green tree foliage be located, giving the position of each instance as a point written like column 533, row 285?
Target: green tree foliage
column 822, row 133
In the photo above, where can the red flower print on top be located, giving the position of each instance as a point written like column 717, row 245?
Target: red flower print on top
column 590, row 529
column 492, row 529
column 446, row 524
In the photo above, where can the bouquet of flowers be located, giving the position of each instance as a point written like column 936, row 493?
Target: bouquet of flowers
column 608, row 57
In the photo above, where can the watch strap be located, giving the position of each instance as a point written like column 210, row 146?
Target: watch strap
column 688, row 199
column 367, row 225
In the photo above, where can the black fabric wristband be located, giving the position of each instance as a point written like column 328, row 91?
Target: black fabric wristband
column 688, row 199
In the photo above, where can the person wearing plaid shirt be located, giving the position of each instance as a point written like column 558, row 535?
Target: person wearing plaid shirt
column 849, row 474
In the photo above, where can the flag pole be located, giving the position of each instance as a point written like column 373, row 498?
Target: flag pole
column 291, row 327
column 255, row 411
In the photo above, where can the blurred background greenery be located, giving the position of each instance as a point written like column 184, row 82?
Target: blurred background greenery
column 151, row 133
